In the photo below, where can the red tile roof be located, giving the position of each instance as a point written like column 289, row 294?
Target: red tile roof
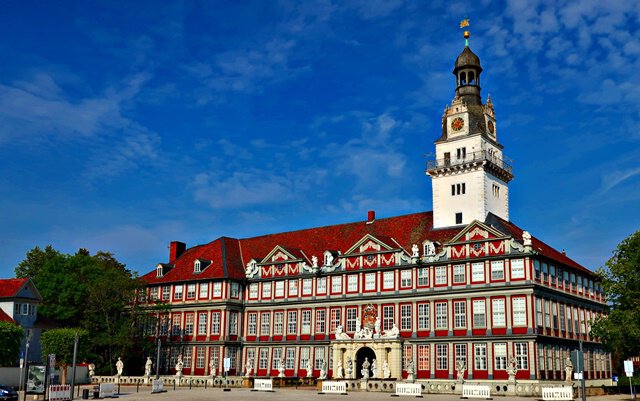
column 230, row 255
column 5, row 318
column 10, row 287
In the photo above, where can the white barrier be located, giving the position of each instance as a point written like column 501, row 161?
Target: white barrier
column 61, row 392
column 107, row 390
column 557, row 393
column 262, row 385
column 334, row 387
column 476, row 391
column 157, row 386
column 409, row 389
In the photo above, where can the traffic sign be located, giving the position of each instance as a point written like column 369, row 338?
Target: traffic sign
column 628, row 368
column 227, row 364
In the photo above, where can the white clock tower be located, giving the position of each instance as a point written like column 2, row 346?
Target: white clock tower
column 470, row 177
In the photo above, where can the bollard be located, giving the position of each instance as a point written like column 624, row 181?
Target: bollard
column 118, row 387
column 174, row 384
column 137, row 387
column 205, row 384
column 190, row 383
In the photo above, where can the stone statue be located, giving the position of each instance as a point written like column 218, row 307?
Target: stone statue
column 119, row 367
column 309, row 368
column 377, row 325
column 512, row 369
column 248, row 368
column 314, row 261
column 147, row 367
column 410, row 372
column 374, row 369
column 179, row 366
column 430, row 249
column 329, row 260
column 526, row 238
column 461, row 367
column 386, row 373
column 415, row 251
column 281, row 367
column 365, row 369
column 212, row 367
column 358, row 326
column 323, row 370
column 340, row 334
column 392, row 333
column 338, row 373
column 568, row 370
column 349, row 369
column 92, row 370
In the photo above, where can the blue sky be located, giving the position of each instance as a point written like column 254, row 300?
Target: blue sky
column 125, row 125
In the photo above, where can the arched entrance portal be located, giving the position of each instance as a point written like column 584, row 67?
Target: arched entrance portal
column 364, row 352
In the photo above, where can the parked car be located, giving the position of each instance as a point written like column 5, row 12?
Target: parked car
column 8, row 394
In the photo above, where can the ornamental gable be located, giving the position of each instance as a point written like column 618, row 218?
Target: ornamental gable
column 477, row 231
column 371, row 252
column 282, row 262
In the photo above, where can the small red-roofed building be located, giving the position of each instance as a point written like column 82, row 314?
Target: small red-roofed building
column 459, row 293
column 19, row 299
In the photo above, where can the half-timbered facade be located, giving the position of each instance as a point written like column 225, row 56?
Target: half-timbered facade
column 423, row 291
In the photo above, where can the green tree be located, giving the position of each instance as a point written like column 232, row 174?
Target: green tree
column 620, row 329
column 60, row 342
column 34, row 261
column 10, row 341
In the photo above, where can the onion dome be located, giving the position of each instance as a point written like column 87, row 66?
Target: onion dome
column 467, row 59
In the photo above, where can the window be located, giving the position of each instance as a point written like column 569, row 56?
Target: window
column 497, row 270
column 235, row 290
column 304, row 357
column 517, row 268
column 539, row 321
column 335, row 319
column 252, row 324
column 442, row 357
column 293, row 288
column 522, row 356
column 441, row 315
column 233, row 323
column 480, row 353
column 458, row 189
column 279, row 289
column 336, row 284
column 388, row 280
column 547, row 314
column 266, row 290
column 458, row 218
column 352, row 317
column 202, row 324
column 370, row 281
column 500, row 356
column 388, row 318
column 563, row 321
column 322, row 285
column 405, row 317
column 519, row 311
column 200, row 357
column 479, row 314
column 352, row 283
column 253, row 290
column 215, row 322
column 497, row 307
column 154, row 293
column 232, row 352
column 423, row 357
column 166, row 291
column 407, row 355
column 164, row 323
column 319, row 358
column 264, row 354
column 306, row 286
column 176, row 325
column 290, row 359
column 441, row 275
column 292, row 322
column 405, row 279
column 423, row 316
column 186, row 359
column 191, row 291
column 477, row 272
column 178, row 292
column 278, row 323
column 423, row 276
column 277, row 354
column 204, row 290
column 320, row 321
column 460, row 314
column 461, row 153
column 188, row 328
column 306, row 322
column 459, row 274
column 265, row 323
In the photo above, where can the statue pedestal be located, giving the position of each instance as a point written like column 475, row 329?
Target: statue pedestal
column 364, row 385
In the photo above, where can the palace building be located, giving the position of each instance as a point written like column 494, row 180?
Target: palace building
column 457, row 292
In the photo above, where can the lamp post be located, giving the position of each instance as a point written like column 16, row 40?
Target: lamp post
column 26, row 362
column 73, row 370
column 158, row 360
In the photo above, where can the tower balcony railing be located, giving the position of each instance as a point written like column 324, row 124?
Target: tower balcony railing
column 472, row 157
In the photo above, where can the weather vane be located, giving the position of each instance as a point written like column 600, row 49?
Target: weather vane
column 465, row 23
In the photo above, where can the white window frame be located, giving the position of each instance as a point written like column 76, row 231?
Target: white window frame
column 424, row 316
column 497, row 270
column 459, row 314
column 441, row 316
column 388, row 280
column 441, row 275
column 459, row 274
column 477, row 272
column 480, row 356
column 519, row 311
column 370, row 281
column 215, row 322
column 498, row 312
column 517, row 268
column 406, row 279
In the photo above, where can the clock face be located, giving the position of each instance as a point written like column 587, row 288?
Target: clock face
column 457, row 124
column 491, row 127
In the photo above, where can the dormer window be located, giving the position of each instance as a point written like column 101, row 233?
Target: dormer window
column 159, row 271
column 197, row 266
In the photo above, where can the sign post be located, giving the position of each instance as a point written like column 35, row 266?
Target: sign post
column 628, row 371
column 227, row 366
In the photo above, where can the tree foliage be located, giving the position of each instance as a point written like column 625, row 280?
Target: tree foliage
column 10, row 341
column 60, row 342
column 34, row 261
column 620, row 330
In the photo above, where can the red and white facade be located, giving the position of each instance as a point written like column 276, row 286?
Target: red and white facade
column 473, row 287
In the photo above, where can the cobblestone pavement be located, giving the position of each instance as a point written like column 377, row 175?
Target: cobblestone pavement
column 128, row 393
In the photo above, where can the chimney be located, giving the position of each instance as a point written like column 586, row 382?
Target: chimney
column 176, row 248
column 371, row 216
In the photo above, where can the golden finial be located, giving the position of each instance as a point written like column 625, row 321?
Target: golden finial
column 465, row 23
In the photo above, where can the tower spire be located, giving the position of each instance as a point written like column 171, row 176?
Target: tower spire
column 464, row 23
